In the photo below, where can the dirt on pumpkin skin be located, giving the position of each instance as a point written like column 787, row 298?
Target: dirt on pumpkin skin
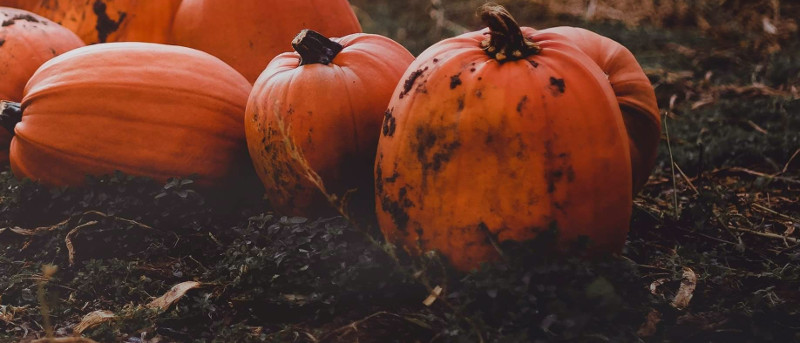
column 105, row 25
column 713, row 254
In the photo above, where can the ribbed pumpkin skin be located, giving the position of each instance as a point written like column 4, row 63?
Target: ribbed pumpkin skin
column 331, row 113
column 145, row 109
column 247, row 34
column 143, row 20
column 475, row 151
column 635, row 95
column 27, row 43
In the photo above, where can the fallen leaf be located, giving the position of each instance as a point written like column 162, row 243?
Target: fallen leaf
column 93, row 319
column 435, row 293
column 686, row 291
column 658, row 283
column 173, row 295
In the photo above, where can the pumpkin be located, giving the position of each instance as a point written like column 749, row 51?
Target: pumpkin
column 100, row 21
column 635, row 96
column 499, row 135
column 145, row 109
column 247, row 34
column 314, row 117
column 28, row 40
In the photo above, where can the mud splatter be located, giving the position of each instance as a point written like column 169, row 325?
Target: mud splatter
column 105, row 25
column 557, row 85
column 409, row 83
column 389, row 123
column 522, row 103
column 26, row 17
column 455, row 81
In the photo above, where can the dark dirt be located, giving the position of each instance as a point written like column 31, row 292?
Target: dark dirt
column 26, row 17
column 105, row 25
column 409, row 83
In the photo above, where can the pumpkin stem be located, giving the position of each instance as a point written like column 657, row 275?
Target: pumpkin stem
column 314, row 48
column 10, row 115
column 505, row 42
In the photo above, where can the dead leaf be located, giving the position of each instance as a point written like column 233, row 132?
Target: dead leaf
column 686, row 291
column 176, row 293
column 435, row 293
column 68, row 240
column 658, row 283
column 650, row 325
column 93, row 319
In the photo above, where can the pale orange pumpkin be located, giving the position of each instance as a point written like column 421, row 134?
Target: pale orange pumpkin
column 499, row 135
column 317, row 112
column 100, row 21
column 145, row 109
column 28, row 40
column 247, row 34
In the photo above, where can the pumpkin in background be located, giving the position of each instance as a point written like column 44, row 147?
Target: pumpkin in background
column 499, row 135
column 145, row 109
column 100, row 21
column 247, row 34
column 28, row 40
column 317, row 112
column 635, row 96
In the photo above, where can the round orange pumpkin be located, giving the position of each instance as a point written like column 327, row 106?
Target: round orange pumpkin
column 314, row 117
column 499, row 135
column 28, row 40
column 145, row 109
column 100, row 21
column 635, row 96
column 247, row 34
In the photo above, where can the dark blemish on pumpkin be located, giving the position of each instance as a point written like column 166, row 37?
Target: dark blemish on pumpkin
column 26, row 17
column 570, row 174
column 478, row 93
column 460, row 103
column 489, row 138
column 435, row 60
column 473, row 70
column 427, row 140
column 558, row 84
column 105, row 26
column 53, row 51
column 455, row 81
column 409, row 83
column 522, row 103
column 534, row 63
column 290, row 111
column 389, row 123
column 480, row 78
column 2, row 41
column 398, row 209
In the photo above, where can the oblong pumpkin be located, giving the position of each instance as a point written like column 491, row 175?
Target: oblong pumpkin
column 247, row 34
column 322, row 117
column 635, row 96
column 501, row 139
column 145, row 109
column 28, row 40
column 100, row 21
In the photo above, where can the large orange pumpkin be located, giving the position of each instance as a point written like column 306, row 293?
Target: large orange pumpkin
column 247, row 34
column 28, row 40
column 499, row 135
column 141, row 108
column 635, row 96
column 317, row 113
column 100, row 21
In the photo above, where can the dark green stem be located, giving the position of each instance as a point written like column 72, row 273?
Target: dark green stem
column 10, row 115
column 505, row 42
column 314, row 48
